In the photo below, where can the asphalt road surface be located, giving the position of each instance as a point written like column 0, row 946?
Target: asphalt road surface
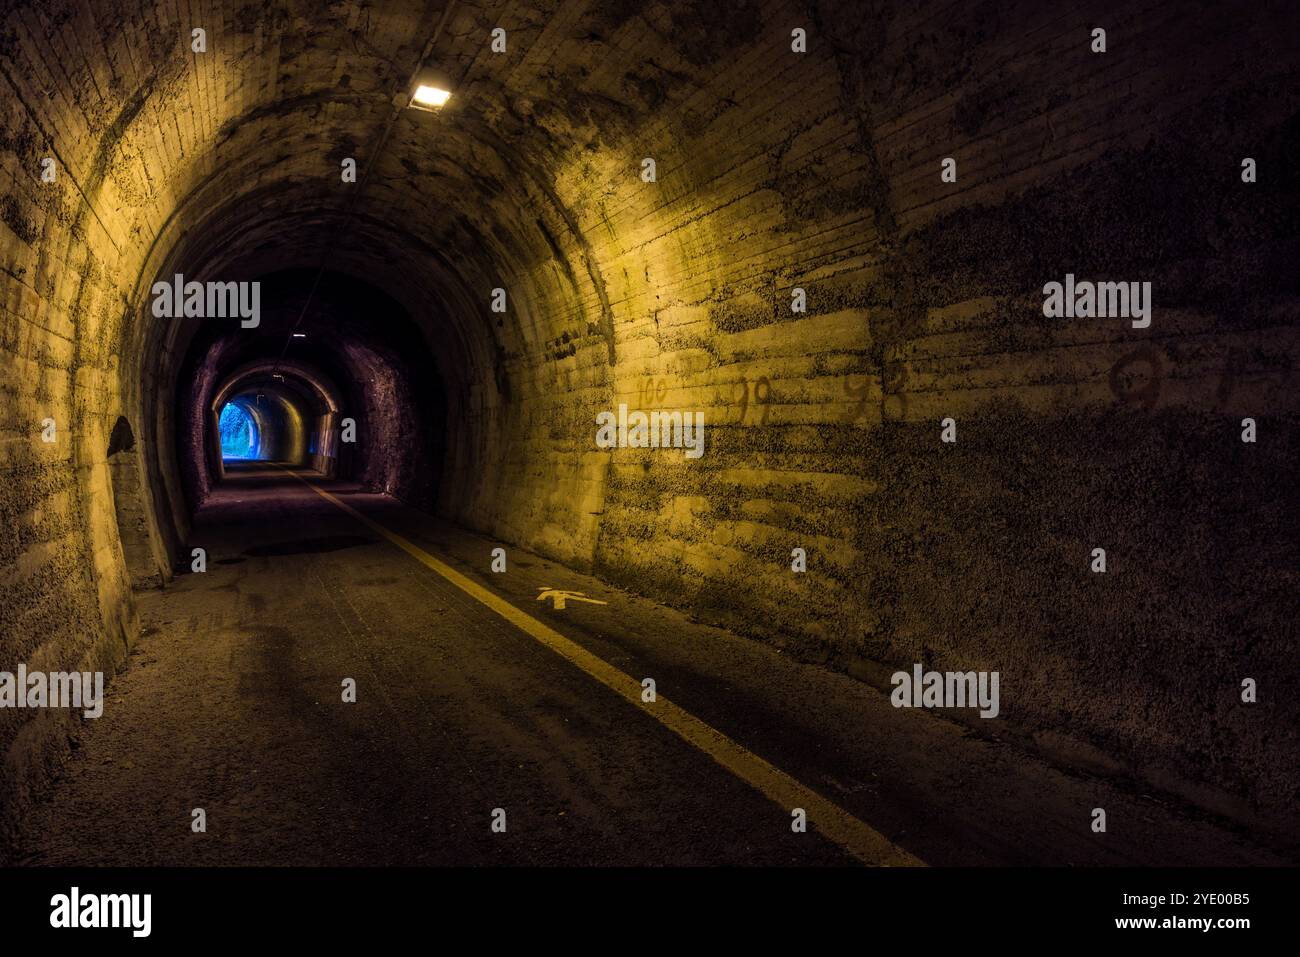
column 233, row 702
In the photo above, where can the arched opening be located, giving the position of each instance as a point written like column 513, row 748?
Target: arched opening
column 240, row 436
column 336, row 377
column 139, row 548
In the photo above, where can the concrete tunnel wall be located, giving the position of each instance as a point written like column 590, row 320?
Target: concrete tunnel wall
column 774, row 170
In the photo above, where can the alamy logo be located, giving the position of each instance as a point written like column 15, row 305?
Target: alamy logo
column 946, row 689
column 103, row 910
column 654, row 430
column 1098, row 300
column 208, row 300
column 55, row 689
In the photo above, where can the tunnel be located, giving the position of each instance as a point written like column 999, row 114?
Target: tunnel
column 881, row 411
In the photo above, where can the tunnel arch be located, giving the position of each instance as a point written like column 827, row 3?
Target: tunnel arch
column 273, row 422
column 775, row 171
column 516, row 222
column 302, row 393
column 357, row 355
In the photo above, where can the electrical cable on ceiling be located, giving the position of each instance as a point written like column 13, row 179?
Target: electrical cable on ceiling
column 365, row 173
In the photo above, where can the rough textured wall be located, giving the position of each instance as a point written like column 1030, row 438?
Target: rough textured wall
column 66, row 591
column 925, row 301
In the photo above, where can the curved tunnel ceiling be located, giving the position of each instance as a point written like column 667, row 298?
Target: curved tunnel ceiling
column 313, row 388
column 228, row 165
column 486, row 193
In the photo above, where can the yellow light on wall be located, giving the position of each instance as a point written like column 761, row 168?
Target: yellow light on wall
column 429, row 97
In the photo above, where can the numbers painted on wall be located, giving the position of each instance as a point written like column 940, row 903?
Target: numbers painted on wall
column 1138, row 376
column 1126, row 377
column 761, row 395
column 651, row 392
column 861, row 393
column 893, row 377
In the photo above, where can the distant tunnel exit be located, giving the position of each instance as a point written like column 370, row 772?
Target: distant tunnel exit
column 240, row 436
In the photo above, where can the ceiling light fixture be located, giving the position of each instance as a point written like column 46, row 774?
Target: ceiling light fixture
column 429, row 97
column 300, row 335
column 430, row 90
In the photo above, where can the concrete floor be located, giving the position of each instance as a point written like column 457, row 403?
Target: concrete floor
column 232, row 703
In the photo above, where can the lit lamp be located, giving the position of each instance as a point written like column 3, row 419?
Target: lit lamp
column 429, row 97
column 430, row 92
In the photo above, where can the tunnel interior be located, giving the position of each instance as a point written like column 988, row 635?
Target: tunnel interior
column 335, row 377
column 259, row 253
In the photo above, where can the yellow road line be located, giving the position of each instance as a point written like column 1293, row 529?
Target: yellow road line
column 835, row 823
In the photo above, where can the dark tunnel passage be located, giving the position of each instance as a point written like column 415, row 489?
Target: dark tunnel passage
column 309, row 382
column 335, row 376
